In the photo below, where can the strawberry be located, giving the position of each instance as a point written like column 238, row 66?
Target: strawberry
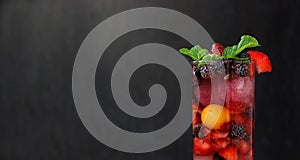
column 220, row 143
column 229, row 153
column 202, row 148
column 217, row 48
column 262, row 61
column 248, row 156
column 244, row 147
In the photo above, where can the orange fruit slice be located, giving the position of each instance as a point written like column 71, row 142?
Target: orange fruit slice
column 214, row 115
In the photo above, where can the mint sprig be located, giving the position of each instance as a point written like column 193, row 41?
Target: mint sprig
column 207, row 58
column 196, row 52
column 211, row 57
column 245, row 42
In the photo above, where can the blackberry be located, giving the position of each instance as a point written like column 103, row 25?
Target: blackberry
column 244, row 55
column 196, row 130
column 238, row 131
column 200, row 131
column 211, row 70
column 197, row 72
column 205, row 71
column 241, row 70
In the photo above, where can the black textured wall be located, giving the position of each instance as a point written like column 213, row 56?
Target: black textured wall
column 39, row 40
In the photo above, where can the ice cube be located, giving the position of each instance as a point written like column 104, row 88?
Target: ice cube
column 240, row 89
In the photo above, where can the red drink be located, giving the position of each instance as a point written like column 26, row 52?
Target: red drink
column 223, row 109
column 223, row 98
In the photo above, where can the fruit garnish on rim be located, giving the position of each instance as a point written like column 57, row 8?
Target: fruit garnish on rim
column 235, row 52
column 262, row 61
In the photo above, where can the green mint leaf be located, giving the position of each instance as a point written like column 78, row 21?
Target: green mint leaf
column 201, row 63
column 184, row 51
column 209, row 57
column 188, row 52
column 196, row 52
column 245, row 42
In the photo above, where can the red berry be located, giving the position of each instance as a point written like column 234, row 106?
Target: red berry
column 244, row 147
column 229, row 153
column 202, row 148
column 220, row 143
column 262, row 61
column 248, row 155
column 217, row 48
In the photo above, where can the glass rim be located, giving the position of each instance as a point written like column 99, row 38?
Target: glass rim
column 223, row 60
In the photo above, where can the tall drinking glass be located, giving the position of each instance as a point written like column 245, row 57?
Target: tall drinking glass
column 223, row 109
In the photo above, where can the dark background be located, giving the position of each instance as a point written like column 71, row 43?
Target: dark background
column 39, row 40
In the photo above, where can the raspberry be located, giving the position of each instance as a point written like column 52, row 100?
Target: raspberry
column 217, row 48
column 238, row 131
